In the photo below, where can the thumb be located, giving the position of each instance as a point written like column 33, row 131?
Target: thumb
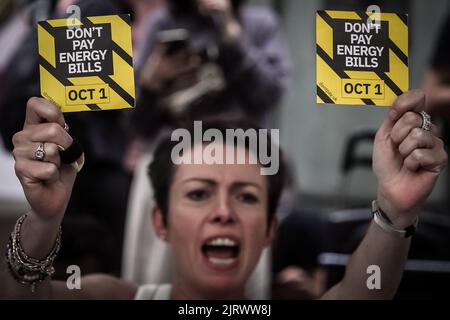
column 386, row 126
column 413, row 100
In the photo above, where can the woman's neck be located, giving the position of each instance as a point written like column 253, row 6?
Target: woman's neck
column 183, row 291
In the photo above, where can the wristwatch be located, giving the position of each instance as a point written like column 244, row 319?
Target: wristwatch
column 383, row 221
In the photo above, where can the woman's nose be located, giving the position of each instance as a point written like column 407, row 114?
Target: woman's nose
column 223, row 212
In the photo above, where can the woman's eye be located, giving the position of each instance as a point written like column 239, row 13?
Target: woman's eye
column 198, row 195
column 248, row 198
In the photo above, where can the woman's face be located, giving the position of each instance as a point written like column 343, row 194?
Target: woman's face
column 217, row 225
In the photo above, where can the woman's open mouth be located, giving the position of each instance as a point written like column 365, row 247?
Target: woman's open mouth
column 221, row 252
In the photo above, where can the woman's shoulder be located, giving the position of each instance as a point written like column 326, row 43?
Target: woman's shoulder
column 93, row 287
column 105, row 287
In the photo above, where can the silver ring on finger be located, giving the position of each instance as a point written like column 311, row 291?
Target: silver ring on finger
column 39, row 154
column 426, row 121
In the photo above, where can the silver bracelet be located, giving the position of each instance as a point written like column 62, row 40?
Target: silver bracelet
column 24, row 269
column 383, row 222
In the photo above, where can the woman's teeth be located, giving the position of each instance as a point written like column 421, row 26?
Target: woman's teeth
column 221, row 262
column 222, row 242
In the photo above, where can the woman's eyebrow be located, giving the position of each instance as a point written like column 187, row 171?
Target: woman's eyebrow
column 212, row 182
column 204, row 180
column 241, row 184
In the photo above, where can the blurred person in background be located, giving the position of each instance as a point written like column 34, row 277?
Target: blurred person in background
column 297, row 273
column 142, row 12
column 437, row 87
column 301, row 237
column 198, row 49
column 14, row 26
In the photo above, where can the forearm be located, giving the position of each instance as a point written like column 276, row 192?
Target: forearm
column 388, row 252
column 37, row 239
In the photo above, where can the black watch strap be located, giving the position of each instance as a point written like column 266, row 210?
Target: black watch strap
column 383, row 221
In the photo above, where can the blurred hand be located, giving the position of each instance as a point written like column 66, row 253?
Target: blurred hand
column 47, row 184
column 208, row 7
column 136, row 149
column 161, row 68
column 407, row 160
column 222, row 13
column 296, row 283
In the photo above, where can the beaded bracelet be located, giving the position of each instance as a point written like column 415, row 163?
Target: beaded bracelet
column 24, row 269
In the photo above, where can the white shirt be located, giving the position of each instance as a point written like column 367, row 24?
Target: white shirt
column 154, row 292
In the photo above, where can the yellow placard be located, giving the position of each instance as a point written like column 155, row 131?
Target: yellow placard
column 87, row 66
column 361, row 60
